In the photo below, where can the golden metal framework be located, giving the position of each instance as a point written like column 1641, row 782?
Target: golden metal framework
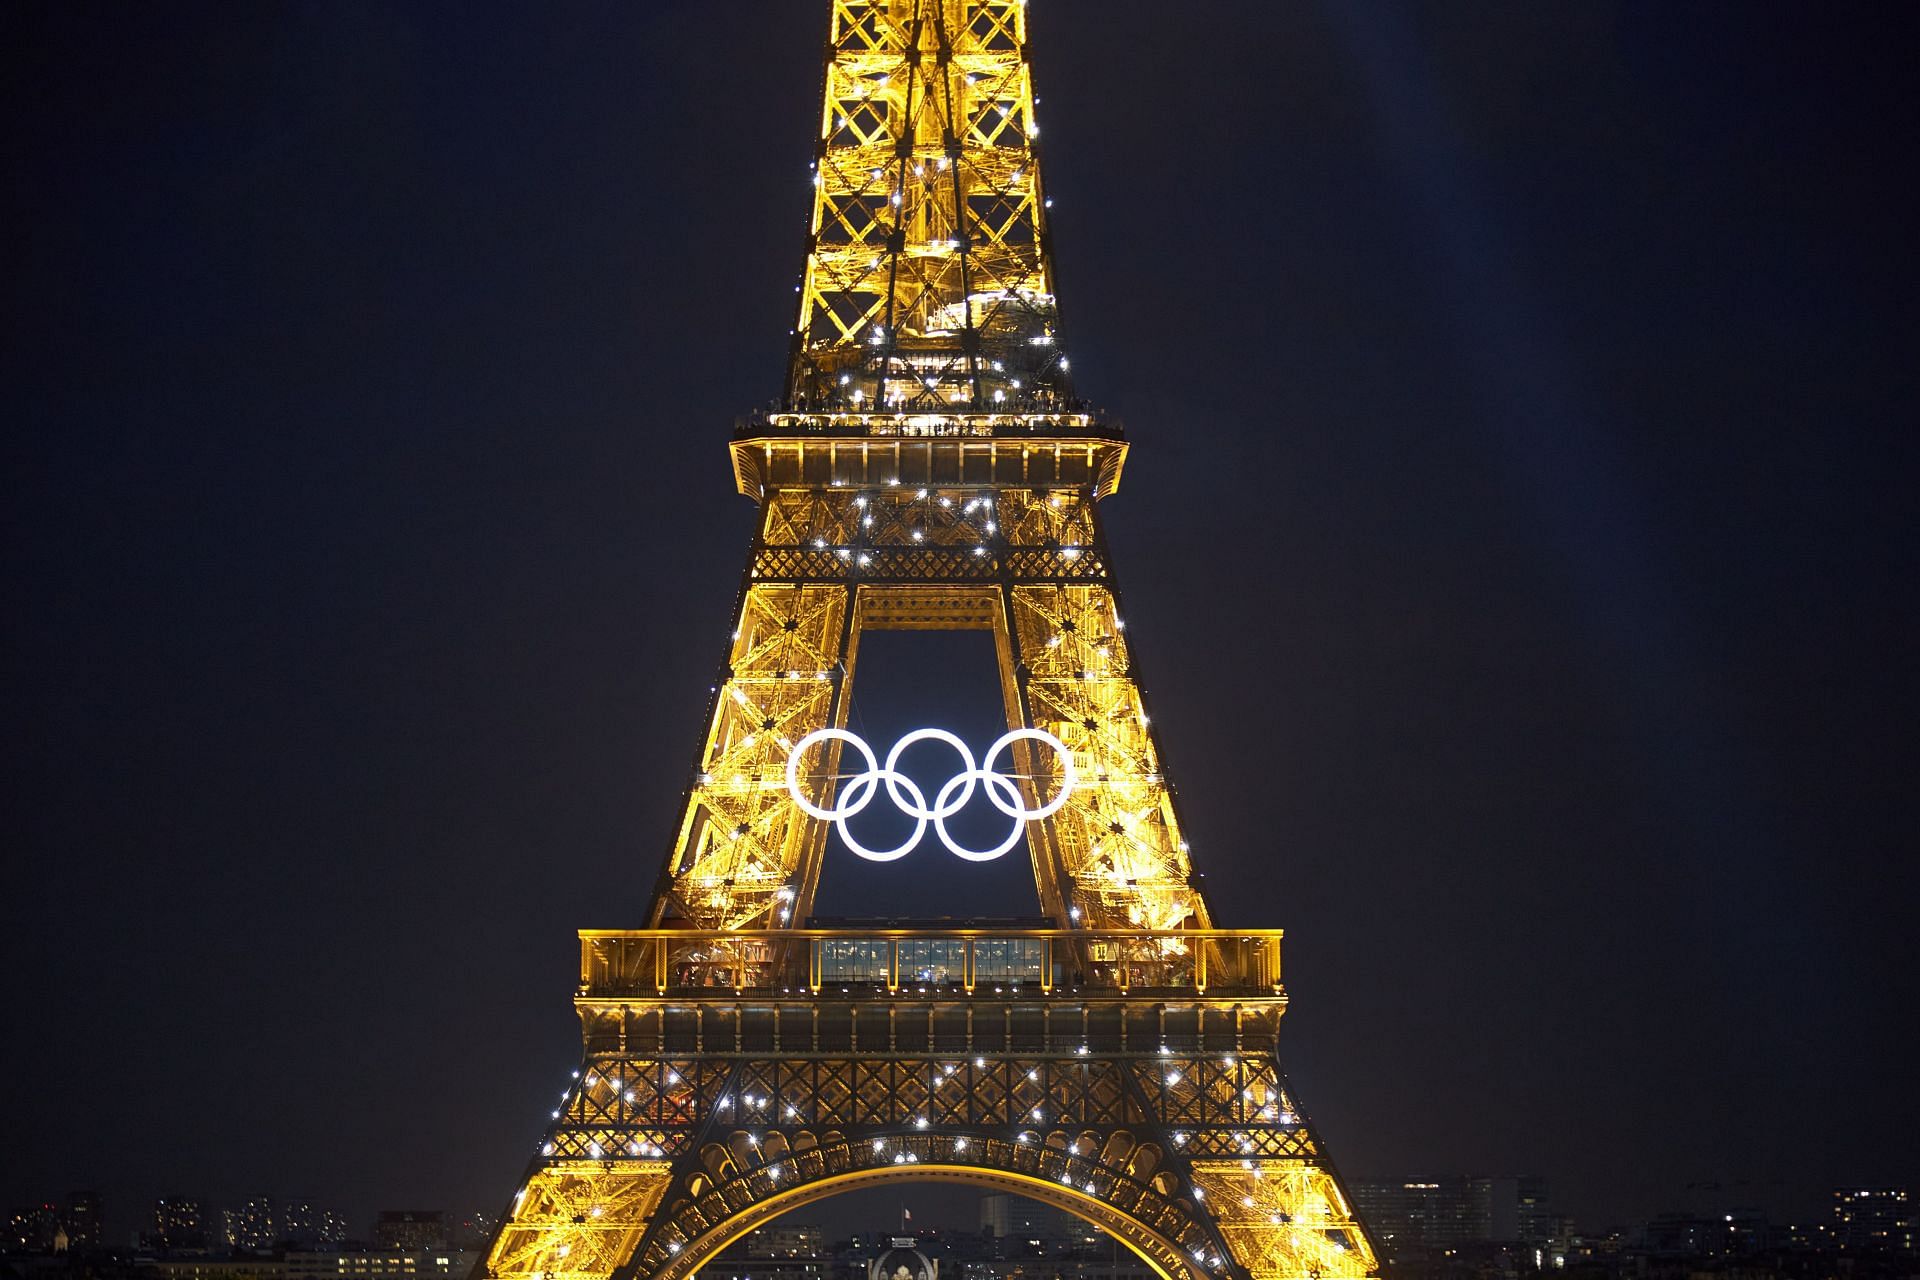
column 927, row 284
column 1028, row 564
column 930, row 471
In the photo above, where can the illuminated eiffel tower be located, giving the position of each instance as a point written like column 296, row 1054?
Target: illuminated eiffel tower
column 931, row 469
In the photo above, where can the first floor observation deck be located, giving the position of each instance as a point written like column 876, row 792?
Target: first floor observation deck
column 929, row 988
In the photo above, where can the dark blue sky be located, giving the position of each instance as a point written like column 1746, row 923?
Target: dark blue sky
column 1518, row 544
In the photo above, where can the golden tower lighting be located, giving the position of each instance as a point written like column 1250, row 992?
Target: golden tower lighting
column 930, row 468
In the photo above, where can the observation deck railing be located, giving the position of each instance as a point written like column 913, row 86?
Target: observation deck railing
column 682, row 963
column 933, row 422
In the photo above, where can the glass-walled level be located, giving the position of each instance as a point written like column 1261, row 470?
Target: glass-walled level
column 641, row 962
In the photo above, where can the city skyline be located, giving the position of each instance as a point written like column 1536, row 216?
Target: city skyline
column 352, row 447
column 1436, row 1226
column 1456, row 1208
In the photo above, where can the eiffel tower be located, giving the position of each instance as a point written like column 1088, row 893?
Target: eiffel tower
column 930, row 467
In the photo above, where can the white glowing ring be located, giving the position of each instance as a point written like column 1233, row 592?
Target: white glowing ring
column 952, row 797
column 859, row 794
column 793, row 772
column 1016, row 813
column 1068, row 779
column 870, row 781
column 940, row 807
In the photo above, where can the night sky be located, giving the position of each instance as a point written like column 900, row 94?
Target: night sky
column 1518, row 546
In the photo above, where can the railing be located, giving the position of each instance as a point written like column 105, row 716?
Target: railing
column 929, row 422
column 642, row 963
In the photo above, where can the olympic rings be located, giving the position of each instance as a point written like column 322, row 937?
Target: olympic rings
column 952, row 797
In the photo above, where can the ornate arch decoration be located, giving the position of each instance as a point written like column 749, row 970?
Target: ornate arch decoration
column 1107, row 1180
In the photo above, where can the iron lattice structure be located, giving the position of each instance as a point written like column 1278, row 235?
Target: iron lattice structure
column 930, row 471
column 928, row 285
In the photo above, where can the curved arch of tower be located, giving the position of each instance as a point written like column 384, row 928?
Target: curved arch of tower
column 930, row 469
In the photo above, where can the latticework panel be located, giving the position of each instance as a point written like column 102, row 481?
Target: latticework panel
column 927, row 284
column 928, row 535
column 577, row 1220
column 633, row 1106
column 742, row 842
column 1118, row 839
column 636, row 1107
column 1207, row 1152
column 955, row 517
column 743, row 852
column 1284, row 1219
column 1229, row 1105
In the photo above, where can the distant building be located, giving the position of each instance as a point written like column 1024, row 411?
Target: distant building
column 783, row 1241
column 474, row 1231
column 83, row 1221
column 1115, row 1264
column 245, row 1267
column 296, row 1224
column 1873, row 1220
column 378, row 1264
column 1534, row 1221
column 1686, row 1235
column 1413, row 1217
column 963, row 1255
column 1427, row 1216
column 1748, row 1231
column 1806, row 1237
column 1027, row 1228
column 734, row 1266
column 410, row 1230
column 305, row 1225
column 31, row 1228
column 256, row 1225
column 778, row 1252
column 180, row 1222
column 896, row 1256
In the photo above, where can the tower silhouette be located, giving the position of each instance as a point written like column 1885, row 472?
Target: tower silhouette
column 929, row 468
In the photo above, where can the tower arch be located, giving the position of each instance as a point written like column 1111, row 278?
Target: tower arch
column 1134, row 1227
